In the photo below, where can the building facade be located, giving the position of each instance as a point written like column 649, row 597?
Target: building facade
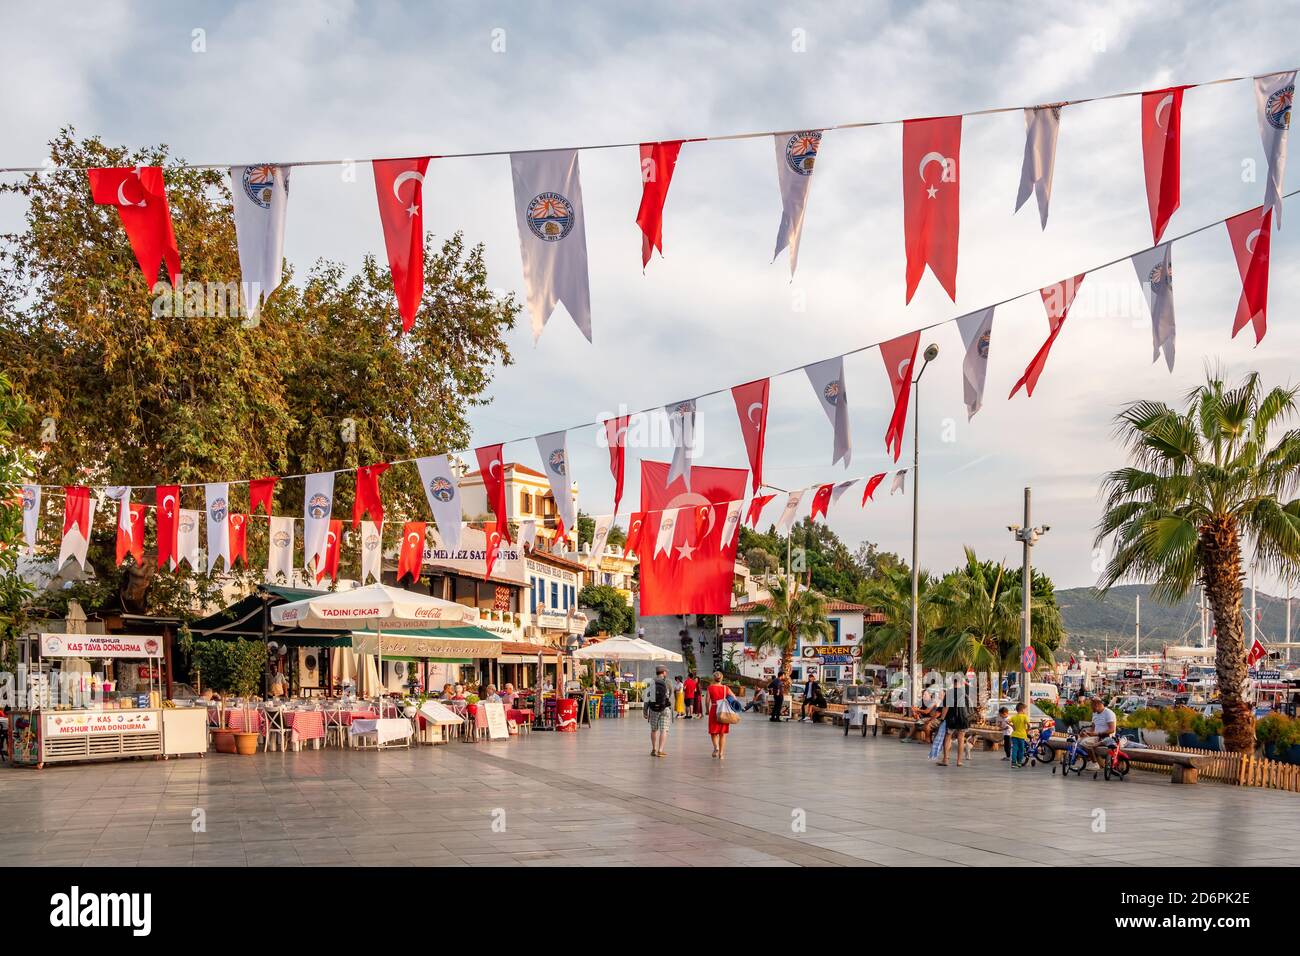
column 837, row 659
column 528, row 498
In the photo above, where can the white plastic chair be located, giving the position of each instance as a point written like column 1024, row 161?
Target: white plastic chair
column 276, row 728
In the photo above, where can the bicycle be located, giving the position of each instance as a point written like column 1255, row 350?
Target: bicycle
column 1075, row 758
column 1116, row 763
column 1038, row 750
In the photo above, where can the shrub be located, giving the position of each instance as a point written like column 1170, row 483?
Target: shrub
column 229, row 667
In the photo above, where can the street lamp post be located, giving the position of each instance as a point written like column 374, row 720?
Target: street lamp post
column 913, row 660
column 1028, row 536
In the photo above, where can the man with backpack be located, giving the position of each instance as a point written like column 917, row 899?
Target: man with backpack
column 658, row 704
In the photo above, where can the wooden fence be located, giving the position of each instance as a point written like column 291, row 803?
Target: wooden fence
column 1246, row 770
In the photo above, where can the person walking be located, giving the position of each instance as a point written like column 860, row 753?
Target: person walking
column 956, row 719
column 688, row 693
column 679, row 697
column 718, row 691
column 658, row 701
column 777, row 687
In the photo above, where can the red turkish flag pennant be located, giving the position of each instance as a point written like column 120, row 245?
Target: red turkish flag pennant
column 411, row 558
column 821, row 501
column 491, row 463
column 367, row 498
column 330, row 565
column 76, row 509
column 932, row 200
column 658, row 161
column 705, row 519
column 1251, row 237
column 238, row 538
column 1057, row 300
column 872, row 484
column 751, row 406
column 492, row 537
column 140, row 196
column 756, row 506
column 635, row 533
column 899, row 356
column 690, row 577
column 616, row 439
column 1257, row 650
column 167, row 499
column 1162, row 119
column 261, row 493
column 401, row 211
column 131, row 541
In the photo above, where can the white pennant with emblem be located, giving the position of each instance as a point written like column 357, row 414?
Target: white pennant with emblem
column 900, row 481
column 552, row 235
column 667, row 528
column 730, row 525
column 441, row 490
column 372, row 550
column 317, row 506
column 279, row 553
column 217, row 497
column 827, row 380
column 31, row 515
column 1273, row 97
column 681, row 421
column 187, row 540
column 976, row 333
column 796, row 154
column 1041, row 128
column 1155, row 273
column 554, row 449
column 791, row 506
column 601, row 535
column 261, row 199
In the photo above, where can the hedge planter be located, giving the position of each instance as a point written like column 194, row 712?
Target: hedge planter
column 1293, row 754
column 1155, row 739
column 1189, row 739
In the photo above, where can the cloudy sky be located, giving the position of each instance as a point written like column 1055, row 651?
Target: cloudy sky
column 279, row 82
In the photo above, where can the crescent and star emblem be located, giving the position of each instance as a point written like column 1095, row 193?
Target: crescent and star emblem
column 170, row 510
column 1164, row 104
column 750, row 413
column 413, row 538
column 494, row 467
column 410, row 174
column 692, row 499
column 121, row 187
column 903, row 368
column 1250, row 241
column 933, row 157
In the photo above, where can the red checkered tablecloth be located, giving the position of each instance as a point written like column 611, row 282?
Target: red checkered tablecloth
column 305, row 724
column 256, row 721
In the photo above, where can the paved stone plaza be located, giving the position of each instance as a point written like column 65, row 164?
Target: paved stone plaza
column 598, row 798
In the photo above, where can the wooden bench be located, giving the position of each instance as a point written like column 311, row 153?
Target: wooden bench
column 1186, row 767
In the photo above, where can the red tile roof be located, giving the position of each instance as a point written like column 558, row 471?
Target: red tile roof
column 833, row 607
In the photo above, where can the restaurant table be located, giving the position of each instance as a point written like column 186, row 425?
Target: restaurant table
column 385, row 731
column 304, row 725
column 256, row 720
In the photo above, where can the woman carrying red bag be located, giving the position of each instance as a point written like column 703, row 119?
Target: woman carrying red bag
column 720, row 724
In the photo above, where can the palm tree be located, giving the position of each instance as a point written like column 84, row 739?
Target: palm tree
column 890, row 593
column 790, row 614
column 1201, row 481
column 979, row 606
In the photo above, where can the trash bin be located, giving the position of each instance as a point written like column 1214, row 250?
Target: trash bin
column 566, row 715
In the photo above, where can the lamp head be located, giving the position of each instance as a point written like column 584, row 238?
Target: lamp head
column 931, row 352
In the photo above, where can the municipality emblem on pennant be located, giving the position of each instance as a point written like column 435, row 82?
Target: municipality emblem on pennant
column 29, row 499
column 556, row 462
column 259, row 184
column 440, row 489
column 550, row 217
column 832, row 393
column 218, row 509
column 319, row 506
column 1278, row 108
column 801, row 151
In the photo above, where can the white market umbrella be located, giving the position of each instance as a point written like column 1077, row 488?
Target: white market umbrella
column 621, row 649
column 376, row 607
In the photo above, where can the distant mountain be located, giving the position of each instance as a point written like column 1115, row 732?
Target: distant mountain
column 1096, row 624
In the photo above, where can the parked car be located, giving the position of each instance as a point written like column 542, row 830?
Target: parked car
column 992, row 707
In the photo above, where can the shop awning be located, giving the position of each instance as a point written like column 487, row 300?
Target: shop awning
column 466, row 641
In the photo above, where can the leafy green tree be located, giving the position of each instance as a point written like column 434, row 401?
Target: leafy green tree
column 614, row 614
column 125, row 393
column 791, row 614
column 16, row 466
column 1201, row 480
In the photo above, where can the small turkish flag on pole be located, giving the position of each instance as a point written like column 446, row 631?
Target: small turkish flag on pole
column 410, row 558
column 492, row 538
column 635, row 532
column 491, row 463
column 658, row 162
column 140, row 196
column 330, row 565
column 130, row 539
column 1057, row 300
column 239, row 538
column 756, row 507
column 261, row 493
column 872, row 484
column 367, row 498
column 167, row 498
column 616, row 439
column 821, row 501
column 751, row 406
column 401, row 211
column 1162, row 119
column 932, row 200
column 1251, row 235
column 899, row 356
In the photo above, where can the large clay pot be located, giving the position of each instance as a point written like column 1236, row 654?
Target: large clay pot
column 223, row 741
column 246, row 743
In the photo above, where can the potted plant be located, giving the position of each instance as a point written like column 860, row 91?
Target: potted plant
column 1270, row 731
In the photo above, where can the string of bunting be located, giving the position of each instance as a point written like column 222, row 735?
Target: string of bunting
column 552, row 224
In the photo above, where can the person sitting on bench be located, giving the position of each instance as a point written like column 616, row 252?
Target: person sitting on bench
column 812, row 697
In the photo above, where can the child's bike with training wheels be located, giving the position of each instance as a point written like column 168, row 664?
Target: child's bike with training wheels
column 1073, row 757
column 1116, row 763
column 1038, row 750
